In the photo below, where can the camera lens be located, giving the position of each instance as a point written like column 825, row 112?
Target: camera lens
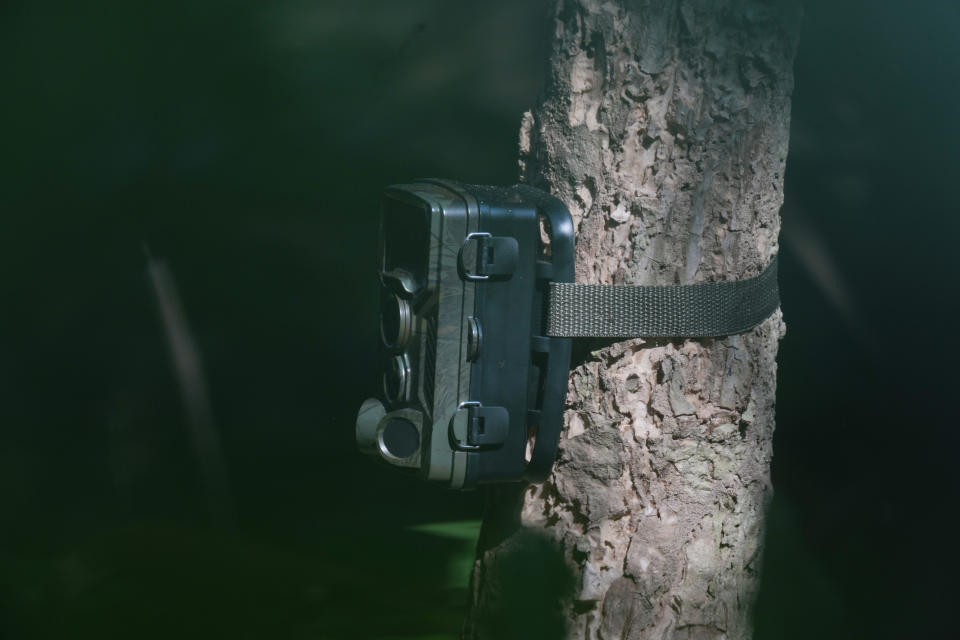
column 400, row 438
column 396, row 378
column 395, row 321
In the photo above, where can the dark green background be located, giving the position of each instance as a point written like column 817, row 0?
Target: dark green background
column 246, row 143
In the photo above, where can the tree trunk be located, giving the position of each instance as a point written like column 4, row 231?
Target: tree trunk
column 664, row 129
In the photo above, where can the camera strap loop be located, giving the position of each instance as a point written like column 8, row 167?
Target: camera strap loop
column 494, row 256
column 702, row 310
column 485, row 427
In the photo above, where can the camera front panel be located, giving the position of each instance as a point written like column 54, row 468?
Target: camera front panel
column 425, row 370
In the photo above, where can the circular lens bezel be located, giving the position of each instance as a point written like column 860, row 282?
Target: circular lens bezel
column 397, row 367
column 410, row 428
column 403, row 316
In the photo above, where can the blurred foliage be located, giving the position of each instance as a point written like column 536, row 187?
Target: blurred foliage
column 465, row 533
column 157, row 580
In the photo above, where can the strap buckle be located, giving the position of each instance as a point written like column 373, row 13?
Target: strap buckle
column 487, row 427
column 495, row 256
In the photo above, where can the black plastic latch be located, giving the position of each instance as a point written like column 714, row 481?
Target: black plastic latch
column 487, row 427
column 492, row 256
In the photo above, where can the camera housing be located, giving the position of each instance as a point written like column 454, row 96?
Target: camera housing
column 473, row 390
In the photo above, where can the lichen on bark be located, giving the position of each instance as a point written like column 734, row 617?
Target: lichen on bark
column 664, row 128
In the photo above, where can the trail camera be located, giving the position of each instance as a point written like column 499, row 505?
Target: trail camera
column 478, row 309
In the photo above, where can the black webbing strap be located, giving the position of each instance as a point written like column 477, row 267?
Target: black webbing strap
column 700, row 310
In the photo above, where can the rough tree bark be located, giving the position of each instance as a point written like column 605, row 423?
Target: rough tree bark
column 664, row 128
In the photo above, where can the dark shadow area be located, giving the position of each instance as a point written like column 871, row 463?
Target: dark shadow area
column 157, row 580
column 246, row 144
column 863, row 468
column 526, row 588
